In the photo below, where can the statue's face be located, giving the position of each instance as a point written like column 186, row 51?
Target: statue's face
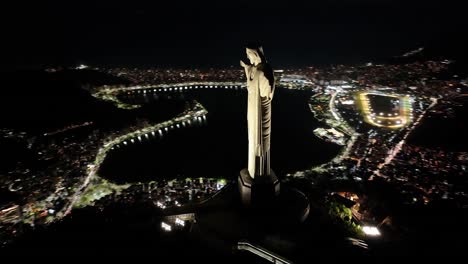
column 253, row 56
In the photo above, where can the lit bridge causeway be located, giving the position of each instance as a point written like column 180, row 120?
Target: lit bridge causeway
column 110, row 93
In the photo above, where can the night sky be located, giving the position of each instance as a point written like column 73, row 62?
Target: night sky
column 212, row 34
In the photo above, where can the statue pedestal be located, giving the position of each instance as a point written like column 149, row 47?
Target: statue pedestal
column 259, row 191
column 226, row 220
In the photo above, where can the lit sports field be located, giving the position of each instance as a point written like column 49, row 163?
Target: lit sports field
column 385, row 110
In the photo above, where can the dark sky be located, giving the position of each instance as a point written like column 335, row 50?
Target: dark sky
column 197, row 33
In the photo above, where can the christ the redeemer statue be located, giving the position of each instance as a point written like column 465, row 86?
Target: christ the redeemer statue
column 260, row 87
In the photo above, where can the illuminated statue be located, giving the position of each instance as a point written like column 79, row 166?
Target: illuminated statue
column 260, row 86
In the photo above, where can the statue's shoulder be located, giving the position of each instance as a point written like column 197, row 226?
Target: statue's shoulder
column 266, row 70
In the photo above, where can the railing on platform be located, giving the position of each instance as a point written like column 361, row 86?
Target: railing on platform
column 261, row 252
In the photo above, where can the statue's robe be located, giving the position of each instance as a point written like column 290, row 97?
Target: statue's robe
column 260, row 86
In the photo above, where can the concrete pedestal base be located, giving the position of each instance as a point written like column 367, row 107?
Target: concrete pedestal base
column 226, row 220
column 258, row 191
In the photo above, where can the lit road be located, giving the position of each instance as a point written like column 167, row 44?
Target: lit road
column 345, row 153
column 197, row 112
column 332, row 106
column 354, row 135
column 80, row 190
column 108, row 93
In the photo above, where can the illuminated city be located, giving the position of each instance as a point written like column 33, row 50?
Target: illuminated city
column 114, row 157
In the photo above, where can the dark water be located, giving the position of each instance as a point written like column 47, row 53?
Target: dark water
column 218, row 147
column 447, row 133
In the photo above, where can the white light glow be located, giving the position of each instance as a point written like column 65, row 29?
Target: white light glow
column 180, row 222
column 371, row 230
column 165, row 226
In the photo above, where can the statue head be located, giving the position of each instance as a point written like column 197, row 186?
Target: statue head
column 255, row 54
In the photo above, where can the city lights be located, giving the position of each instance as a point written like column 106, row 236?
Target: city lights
column 180, row 222
column 371, row 144
column 166, row 227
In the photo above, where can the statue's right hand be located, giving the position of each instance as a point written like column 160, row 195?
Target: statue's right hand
column 242, row 63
